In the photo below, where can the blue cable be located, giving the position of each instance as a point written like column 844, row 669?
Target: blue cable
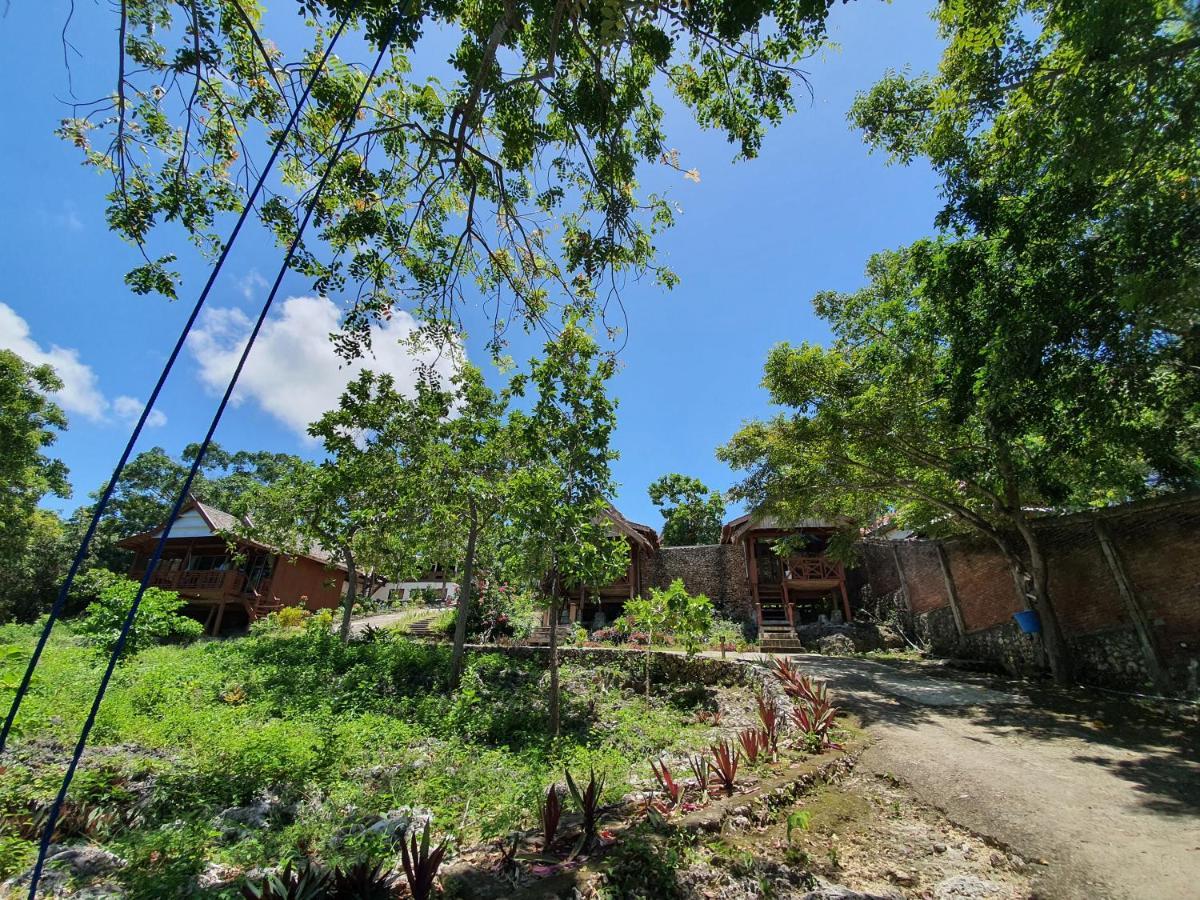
column 60, row 602
column 56, row 808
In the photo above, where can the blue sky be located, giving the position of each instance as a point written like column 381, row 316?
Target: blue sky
column 754, row 242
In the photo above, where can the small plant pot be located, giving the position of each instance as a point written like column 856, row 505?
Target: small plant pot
column 1028, row 621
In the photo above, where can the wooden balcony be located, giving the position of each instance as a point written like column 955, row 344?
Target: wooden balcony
column 814, row 570
column 213, row 585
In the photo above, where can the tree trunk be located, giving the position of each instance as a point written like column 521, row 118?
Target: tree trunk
column 554, row 713
column 464, row 607
column 1057, row 654
column 649, row 644
column 351, row 593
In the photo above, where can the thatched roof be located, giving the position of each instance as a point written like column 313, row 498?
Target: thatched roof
column 642, row 535
column 736, row 529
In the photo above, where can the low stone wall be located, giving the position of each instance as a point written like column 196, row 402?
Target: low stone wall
column 665, row 668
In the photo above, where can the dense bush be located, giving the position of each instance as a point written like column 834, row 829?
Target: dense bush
column 330, row 736
column 497, row 611
column 158, row 619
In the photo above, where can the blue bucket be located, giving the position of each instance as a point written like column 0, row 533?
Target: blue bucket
column 1028, row 621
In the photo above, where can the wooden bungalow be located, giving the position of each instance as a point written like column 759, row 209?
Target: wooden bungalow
column 219, row 573
column 593, row 606
column 795, row 588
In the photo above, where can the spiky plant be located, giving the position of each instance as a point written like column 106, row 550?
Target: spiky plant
column 768, row 714
column 726, row 757
column 306, row 881
column 363, row 880
column 667, row 783
column 588, row 801
column 421, row 863
column 701, row 769
column 748, row 738
column 550, row 813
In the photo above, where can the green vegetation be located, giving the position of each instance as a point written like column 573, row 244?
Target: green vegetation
column 159, row 618
column 29, row 537
column 1039, row 352
column 326, row 738
column 693, row 514
column 549, row 113
column 673, row 610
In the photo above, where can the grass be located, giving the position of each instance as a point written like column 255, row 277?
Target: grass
column 336, row 734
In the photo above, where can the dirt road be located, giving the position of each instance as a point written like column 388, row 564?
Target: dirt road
column 1106, row 793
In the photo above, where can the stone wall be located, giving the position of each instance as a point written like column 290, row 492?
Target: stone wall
column 715, row 570
column 665, row 668
column 1156, row 545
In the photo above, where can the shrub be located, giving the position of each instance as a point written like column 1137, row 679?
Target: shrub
column 158, row 620
column 291, row 616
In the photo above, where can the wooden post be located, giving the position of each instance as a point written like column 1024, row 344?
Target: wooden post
column 846, row 598
column 900, row 575
column 1136, row 614
column 951, row 590
column 220, row 616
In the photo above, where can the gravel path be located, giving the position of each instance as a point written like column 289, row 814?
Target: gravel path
column 1105, row 793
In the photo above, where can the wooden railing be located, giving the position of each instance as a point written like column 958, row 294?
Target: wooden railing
column 813, row 566
column 215, row 582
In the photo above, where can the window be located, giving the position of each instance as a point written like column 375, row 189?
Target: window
column 209, row 563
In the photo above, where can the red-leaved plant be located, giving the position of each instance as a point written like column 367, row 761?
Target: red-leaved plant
column 814, row 718
column 701, row 769
column 421, row 863
column 588, row 801
column 550, row 812
column 753, row 742
column 768, row 714
column 797, row 684
column 667, row 783
column 726, row 757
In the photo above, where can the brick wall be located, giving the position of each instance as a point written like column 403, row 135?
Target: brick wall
column 1158, row 543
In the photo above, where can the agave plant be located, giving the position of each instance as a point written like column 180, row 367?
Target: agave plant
column 667, row 782
column 752, row 743
column 421, row 863
column 702, row 769
column 306, row 881
column 364, row 880
column 797, row 684
column 550, row 813
column 588, row 801
column 814, row 719
column 726, row 757
column 768, row 714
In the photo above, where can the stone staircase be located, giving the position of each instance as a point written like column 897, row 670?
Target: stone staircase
column 778, row 638
column 775, row 634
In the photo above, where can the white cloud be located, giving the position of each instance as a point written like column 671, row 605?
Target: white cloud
column 67, row 218
column 252, row 283
column 293, row 372
column 129, row 408
column 80, row 393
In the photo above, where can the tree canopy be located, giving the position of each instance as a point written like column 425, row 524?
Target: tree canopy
column 515, row 164
column 692, row 512
column 1040, row 351
column 1067, row 138
column 29, row 537
column 153, row 479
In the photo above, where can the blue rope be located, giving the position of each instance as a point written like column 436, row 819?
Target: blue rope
column 52, row 820
column 81, row 555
